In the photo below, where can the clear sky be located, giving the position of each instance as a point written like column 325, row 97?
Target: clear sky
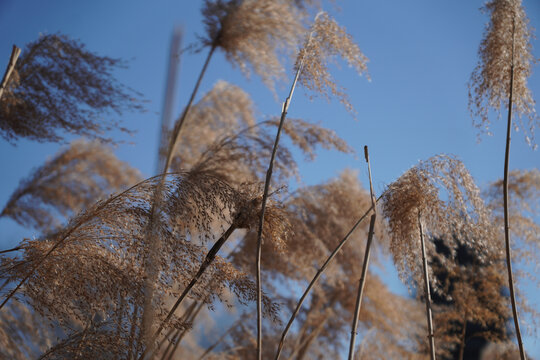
column 415, row 106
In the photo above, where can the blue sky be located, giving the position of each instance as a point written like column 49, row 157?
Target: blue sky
column 415, row 106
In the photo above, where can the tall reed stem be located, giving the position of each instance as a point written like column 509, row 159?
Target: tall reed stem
column 366, row 261
column 427, row 291
column 505, row 199
column 15, row 52
column 263, row 209
column 284, row 110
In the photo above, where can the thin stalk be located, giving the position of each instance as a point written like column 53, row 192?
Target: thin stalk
column 427, row 292
column 172, row 333
column 506, row 211
column 301, row 350
column 223, row 336
column 361, row 287
column 184, row 332
column 15, row 52
column 316, row 278
column 175, row 333
column 463, row 338
column 172, row 330
column 168, row 99
column 10, row 250
column 263, row 209
column 207, row 261
column 284, row 110
column 366, row 261
column 132, row 331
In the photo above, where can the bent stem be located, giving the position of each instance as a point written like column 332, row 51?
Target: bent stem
column 505, row 200
column 207, row 261
column 178, row 126
column 316, row 278
column 366, row 261
column 427, row 291
column 10, row 250
column 300, row 352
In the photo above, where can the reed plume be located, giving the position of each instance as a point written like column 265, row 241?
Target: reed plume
column 254, row 34
column 422, row 189
column 74, row 179
column 249, row 32
column 223, row 137
column 58, row 87
column 108, row 236
column 328, row 41
column 504, row 65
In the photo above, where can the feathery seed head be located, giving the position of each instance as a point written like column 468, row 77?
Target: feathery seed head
column 507, row 44
column 74, row 179
column 60, row 86
column 254, row 32
column 326, row 41
column 442, row 192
